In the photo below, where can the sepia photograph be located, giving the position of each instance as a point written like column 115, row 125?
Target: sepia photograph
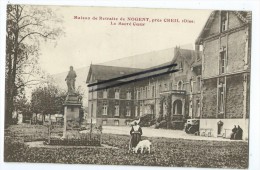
column 127, row 86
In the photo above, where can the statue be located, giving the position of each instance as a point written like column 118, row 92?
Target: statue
column 71, row 78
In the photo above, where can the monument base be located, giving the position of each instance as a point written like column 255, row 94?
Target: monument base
column 72, row 107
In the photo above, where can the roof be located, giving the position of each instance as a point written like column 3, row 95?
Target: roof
column 103, row 72
column 245, row 16
column 144, row 60
column 190, row 56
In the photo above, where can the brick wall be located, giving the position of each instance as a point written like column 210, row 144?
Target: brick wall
column 234, row 96
column 248, row 97
column 209, row 100
column 236, row 51
column 211, row 55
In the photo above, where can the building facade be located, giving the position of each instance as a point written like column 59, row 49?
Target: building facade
column 173, row 96
column 225, row 40
column 212, row 82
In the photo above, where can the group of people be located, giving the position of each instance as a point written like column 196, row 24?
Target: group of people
column 237, row 133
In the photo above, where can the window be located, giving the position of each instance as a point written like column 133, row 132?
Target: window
column 128, row 111
column 221, row 99
column 160, row 88
column 104, row 122
column 117, row 110
column 117, row 93
column 191, row 85
column 136, row 111
column 170, row 86
column 141, row 93
column 141, row 109
column 138, row 94
column 198, row 108
column 224, row 21
column 105, row 93
column 104, row 109
column 144, row 95
column 190, row 110
column 116, row 122
column 146, row 92
column 180, row 85
column 181, row 66
column 222, row 64
column 128, row 95
column 72, row 109
column 165, row 87
column 153, row 91
column 164, row 109
column 198, row 83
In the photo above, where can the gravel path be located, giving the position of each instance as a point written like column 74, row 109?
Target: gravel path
column 151, row 132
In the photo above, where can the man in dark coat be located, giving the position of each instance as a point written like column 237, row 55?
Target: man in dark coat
column 239, row 133
column 234, row 131
column 135, row 133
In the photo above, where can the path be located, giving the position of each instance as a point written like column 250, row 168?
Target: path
column 167, row 133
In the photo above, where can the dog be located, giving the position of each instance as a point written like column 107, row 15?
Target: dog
column 143, row 145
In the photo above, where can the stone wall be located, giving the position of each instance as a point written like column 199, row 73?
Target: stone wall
column 209, row 100
column 236, row 51
column 234, row 96
column 211, row 59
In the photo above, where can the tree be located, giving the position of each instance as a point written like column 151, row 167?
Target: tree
column 47, row 100
column 26, row 27
column 22, row 106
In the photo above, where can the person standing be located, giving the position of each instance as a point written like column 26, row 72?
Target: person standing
column 239, row 133
column 136, row 133
column 234, row 131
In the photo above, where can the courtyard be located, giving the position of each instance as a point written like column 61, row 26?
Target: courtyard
column 167, row 149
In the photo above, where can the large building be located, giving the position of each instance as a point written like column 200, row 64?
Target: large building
column 166, row 95
column 212, row 82
column 225, row 40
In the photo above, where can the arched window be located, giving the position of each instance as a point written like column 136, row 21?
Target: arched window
column 180, row 85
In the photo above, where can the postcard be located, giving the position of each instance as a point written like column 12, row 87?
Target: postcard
column 127, row 86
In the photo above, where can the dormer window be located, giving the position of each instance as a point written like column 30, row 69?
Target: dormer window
column 105, row 94
column 181, row 66
column 128, row 95
column 117, row 94
column 224, row 21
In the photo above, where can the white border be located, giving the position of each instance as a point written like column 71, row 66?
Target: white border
column 254, row 6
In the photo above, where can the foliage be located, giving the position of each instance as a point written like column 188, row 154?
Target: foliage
column 47, row 100
column 23, row 106
column 26, row 27
column 165, row 152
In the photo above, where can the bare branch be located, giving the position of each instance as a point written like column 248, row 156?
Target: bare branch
column 45, row 36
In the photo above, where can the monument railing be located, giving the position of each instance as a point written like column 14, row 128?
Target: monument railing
column 74, row 136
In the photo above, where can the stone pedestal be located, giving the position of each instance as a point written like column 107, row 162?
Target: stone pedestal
column 72, row 106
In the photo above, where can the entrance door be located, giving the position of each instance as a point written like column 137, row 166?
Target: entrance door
column 177, row 107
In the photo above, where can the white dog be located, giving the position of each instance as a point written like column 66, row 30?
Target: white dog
column 144, row 144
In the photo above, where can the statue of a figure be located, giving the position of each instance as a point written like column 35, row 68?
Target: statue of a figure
column 71, row 78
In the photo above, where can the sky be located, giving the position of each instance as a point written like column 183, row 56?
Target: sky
column 97, row 41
